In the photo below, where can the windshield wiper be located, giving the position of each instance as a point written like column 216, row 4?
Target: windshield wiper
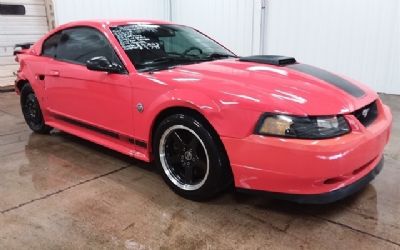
column 159, row 60
column 165, row 60
column 159, row 63
column 153, row 68
column 218, row 56
column 174, row 59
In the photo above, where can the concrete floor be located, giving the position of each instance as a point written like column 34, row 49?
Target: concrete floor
column 58, row 191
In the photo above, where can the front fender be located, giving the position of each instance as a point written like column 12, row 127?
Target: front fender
column 227, row 120
column 174, row 98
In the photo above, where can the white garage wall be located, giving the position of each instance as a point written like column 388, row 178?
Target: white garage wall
column 72, row 10
column 234, row 23
column 357, row 38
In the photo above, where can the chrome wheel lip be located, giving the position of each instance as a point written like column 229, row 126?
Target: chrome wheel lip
column 167, row 168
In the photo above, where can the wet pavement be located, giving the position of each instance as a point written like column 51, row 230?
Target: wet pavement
column 60, row 192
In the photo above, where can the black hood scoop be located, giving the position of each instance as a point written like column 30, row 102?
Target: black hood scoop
column 269, row 59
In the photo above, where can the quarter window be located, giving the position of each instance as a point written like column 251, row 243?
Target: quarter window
column 78, row 45
column 50, row 45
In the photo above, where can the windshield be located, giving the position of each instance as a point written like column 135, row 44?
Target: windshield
column 156, row 47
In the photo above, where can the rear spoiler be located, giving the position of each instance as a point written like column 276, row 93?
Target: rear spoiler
column 20, row 47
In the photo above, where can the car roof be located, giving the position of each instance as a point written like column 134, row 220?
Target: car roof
column 112, row 22
column 100, row 24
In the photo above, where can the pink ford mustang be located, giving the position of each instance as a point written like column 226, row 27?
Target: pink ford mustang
column 167, row 93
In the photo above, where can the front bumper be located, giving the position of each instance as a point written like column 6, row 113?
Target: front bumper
column 311, row 167
column 328, row 197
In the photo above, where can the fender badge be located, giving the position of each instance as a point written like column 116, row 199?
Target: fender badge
column 365, row 112
column 140, row 107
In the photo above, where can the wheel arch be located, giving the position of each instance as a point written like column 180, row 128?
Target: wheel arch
column 192, row 111
column 173, row 102
column 164, row 113
column 20, row 84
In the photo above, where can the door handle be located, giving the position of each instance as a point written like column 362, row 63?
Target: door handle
column 54, row 73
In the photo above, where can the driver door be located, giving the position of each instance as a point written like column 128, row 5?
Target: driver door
column 81, row 96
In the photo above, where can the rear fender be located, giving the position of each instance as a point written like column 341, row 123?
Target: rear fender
column 30, row 67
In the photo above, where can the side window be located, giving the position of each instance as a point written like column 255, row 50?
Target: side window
column 50, row 45
column 81, row 44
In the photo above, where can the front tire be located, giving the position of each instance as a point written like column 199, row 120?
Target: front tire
column 191, row 159
column 32, row 112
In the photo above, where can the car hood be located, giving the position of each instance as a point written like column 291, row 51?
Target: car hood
column 266, row 88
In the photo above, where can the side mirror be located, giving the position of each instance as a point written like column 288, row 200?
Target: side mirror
column 101, row 63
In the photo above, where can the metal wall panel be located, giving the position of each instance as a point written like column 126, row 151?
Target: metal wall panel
column 19, row 29
column 234, row 23
column 73, row 10
column 358, row 38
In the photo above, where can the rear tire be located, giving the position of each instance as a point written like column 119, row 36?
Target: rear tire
column 32, row 112
column 190, row 158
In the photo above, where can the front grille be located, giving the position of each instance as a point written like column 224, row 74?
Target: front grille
column 367, row 114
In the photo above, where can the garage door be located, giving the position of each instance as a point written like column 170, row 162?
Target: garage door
column 21, row 21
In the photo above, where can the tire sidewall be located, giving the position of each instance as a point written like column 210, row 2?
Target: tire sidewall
column 25, row 92
column 217, row 167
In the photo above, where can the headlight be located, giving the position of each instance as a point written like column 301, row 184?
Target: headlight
column 302, row 127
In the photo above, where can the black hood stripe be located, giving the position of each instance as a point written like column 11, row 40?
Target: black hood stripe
column 329, row 77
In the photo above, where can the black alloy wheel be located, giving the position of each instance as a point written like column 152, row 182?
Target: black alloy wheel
column 32, row 112
column 190, row 158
